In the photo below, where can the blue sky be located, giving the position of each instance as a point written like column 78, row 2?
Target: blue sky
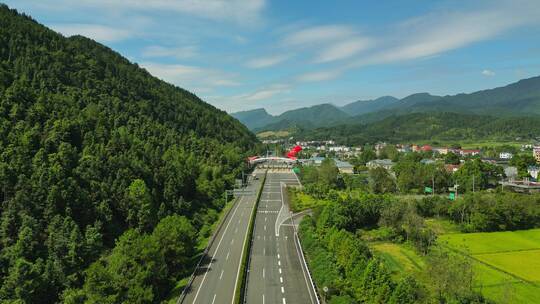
column 280, row 55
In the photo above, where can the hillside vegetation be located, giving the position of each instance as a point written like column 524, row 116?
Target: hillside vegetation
column 429, row 126
column 107, row 174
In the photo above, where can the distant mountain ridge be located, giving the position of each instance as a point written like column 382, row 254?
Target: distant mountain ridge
column 368, row 106
column 521, row 98
column 311, row 117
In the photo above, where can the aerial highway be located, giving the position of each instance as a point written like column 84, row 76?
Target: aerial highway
column 216, row 278
column 277, row 271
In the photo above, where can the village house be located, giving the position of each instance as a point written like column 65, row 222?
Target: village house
column 469, row 152
column 344, row 167
column 506, row 155
column 384, row 163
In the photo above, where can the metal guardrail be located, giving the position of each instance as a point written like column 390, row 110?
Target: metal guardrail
column 182, row 296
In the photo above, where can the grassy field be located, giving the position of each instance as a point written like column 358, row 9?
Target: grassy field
column 398, row 257
column 494, row 242
column 442, row 226
column 273, row 134
column 300, row 201
column 507, row 264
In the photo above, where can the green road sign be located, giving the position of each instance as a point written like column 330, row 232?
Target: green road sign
column 428, row 190
column 452, row 196
column 296, row 170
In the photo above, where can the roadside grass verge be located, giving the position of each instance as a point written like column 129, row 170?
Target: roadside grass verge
column 300, row 201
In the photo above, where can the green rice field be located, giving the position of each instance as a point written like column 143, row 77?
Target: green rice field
column 507, row 264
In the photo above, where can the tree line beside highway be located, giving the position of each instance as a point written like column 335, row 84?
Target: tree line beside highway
column 109, row 178
column 352, row 212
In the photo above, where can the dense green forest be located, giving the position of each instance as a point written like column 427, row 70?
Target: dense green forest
column 350, row 218
column 107, row 174
column 429, row 126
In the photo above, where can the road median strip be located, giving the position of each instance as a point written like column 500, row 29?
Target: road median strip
column 241, row 282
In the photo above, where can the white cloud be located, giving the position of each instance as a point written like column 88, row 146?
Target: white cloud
column 437, row 33
column 318, row 35
column 267, row 92
column 488, row 73
column 97, row 32
column 239, row 11
column 242, row 101
column 343, row 49
column 320, row 76
column 176, row 52
column 191, row 76
column 265, row 62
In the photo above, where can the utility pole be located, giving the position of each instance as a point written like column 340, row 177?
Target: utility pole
column 433, row 184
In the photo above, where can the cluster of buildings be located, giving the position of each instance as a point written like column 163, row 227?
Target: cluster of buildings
column 329, row 146
column 340, row 153
column 438, row 150
column 343, row 166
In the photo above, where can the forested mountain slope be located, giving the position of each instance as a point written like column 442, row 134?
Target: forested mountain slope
column 92, row 148
column 367, row 106
column 308, row 117
column 442, row 126
column 254, row 118
column 521, row 98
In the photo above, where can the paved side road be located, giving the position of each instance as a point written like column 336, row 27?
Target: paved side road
column 276, row 273
column 216, row 279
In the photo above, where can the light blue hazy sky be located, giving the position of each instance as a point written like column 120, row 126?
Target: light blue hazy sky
column 246, row 54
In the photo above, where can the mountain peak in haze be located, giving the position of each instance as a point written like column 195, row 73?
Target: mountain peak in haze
column 519, row 98
column 367, row 106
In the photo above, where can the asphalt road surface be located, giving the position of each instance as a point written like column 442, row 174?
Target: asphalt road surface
column 216, row 279
column 277, row 274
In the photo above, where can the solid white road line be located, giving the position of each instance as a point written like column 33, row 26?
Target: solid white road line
column 217, row 249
